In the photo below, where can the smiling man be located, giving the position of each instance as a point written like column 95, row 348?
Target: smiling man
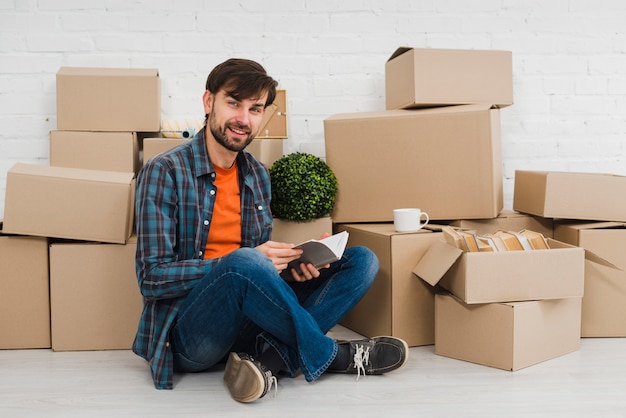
column 210, row 275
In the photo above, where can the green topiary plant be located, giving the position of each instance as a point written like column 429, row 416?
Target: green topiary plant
column 303, row 187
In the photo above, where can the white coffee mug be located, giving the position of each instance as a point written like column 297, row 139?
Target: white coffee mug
column 409, row 219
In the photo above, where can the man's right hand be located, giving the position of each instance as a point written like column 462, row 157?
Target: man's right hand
column 280, row 253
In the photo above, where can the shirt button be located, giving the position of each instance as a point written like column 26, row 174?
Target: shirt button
column 259, row 207
column 212, row 192
column 200, row 253
column 206, row 222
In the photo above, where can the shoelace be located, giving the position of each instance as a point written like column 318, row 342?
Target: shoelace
column 269, row 377
column 361, row 359
column 272, row 381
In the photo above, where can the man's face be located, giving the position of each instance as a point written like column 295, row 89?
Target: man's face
column 233, row 123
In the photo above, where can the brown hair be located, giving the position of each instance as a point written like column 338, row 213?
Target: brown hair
column 242, row 79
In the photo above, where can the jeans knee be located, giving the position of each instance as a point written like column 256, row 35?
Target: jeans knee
column 364, row 259
column 249, row 260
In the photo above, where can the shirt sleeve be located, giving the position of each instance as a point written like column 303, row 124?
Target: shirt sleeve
column 162, row 271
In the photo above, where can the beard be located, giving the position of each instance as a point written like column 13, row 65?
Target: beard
column 220, row 133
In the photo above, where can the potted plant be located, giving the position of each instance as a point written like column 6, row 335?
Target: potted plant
column 303, row 196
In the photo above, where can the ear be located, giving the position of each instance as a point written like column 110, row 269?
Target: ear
column 207, row 101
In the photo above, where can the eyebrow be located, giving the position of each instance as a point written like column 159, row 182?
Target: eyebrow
column 257, row 104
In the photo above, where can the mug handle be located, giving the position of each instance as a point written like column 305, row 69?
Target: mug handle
column 427, row 218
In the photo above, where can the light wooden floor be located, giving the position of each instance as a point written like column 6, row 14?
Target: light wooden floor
column 588, row 383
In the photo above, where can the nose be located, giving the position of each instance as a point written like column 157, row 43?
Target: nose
column 243, row 116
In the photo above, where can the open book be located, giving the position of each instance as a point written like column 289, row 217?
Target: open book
column 319, row 252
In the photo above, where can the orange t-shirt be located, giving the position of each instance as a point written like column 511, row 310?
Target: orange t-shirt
column 225, row 230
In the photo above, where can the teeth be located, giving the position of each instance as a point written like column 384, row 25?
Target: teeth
column 238, row 131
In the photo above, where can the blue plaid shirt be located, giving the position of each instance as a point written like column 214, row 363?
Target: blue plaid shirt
column 174, row 207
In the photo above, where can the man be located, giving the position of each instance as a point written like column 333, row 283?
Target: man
column 210, row 276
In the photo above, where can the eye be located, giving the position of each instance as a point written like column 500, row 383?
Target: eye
column 233, row 103
column 257, row 109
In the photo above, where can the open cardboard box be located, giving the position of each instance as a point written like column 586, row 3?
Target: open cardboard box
column 507, row 220
column 505, row 276
column 274, row 122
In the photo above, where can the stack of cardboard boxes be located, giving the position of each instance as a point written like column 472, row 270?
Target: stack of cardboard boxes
column 588, row 210
column 73, row 220
column 437, row 147
column 83, row 207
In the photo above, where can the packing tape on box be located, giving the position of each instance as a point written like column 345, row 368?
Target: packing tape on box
column 180, row 128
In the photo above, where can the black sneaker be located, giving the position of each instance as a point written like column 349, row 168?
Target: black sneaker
column 375, row 355
column 247, row 380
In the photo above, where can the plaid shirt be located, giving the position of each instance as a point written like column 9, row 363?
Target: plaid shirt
column 174, row 207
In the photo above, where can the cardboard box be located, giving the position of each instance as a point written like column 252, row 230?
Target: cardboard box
column 446, row 161
column 508, row 336
column 425, row 77
column 155, row 146
column 588, row 196
column 108, row 99
column 266, row 150
column 604, row 303
column 274, row 123
column 505, row 276
column 397, row 304
column 71, row 203
column 24, row 292
column 507, row 220
column 296, row 232
column 95, row 298
column 109, row 151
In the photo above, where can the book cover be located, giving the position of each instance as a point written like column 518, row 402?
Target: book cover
column 470, row 241
column 522, row 239
column 510, row 240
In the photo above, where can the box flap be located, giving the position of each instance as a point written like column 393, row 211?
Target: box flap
column 597, row 225
column 590, row 256
column 595, row 258
column 269, row 113
column 401, row 50
column 436, row 262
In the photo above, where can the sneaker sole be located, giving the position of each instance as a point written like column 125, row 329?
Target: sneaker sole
column 245, row 382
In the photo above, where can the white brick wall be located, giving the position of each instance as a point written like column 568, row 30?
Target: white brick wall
column 569, row 59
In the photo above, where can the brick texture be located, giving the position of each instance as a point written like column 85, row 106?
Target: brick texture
column 569, row 64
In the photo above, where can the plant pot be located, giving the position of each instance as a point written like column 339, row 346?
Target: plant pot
column 296, row 232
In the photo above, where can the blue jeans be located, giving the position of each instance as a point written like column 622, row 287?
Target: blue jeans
column 243, row 304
